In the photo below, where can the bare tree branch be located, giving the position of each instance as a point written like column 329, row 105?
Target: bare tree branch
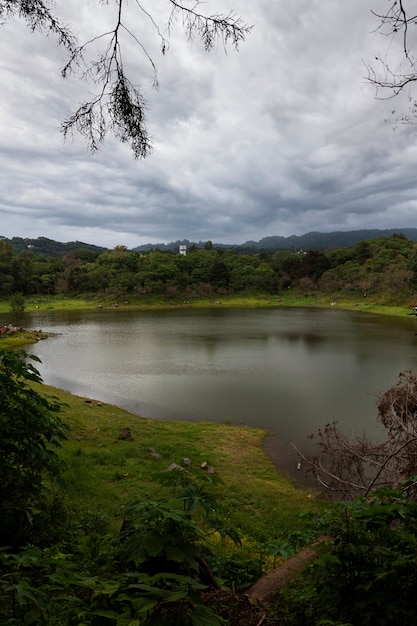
column 210, row 28
column 352, row 467
column 389, row 78
column 119, row 105
column 39, row 17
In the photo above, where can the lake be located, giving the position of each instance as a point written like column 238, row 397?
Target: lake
column 289, row 370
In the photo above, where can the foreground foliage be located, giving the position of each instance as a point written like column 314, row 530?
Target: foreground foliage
column 61, row 566
column 366, row 574
column 147, row 574
column 171, row 559
column 30, row 468
column 151, row 572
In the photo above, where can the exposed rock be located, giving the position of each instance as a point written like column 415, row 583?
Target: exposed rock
column 125, row 434
column 205, row 466
column 174, row 466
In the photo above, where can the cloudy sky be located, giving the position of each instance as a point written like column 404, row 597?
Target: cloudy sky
column 283, row 137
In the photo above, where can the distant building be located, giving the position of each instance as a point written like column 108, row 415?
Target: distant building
column 183, row 249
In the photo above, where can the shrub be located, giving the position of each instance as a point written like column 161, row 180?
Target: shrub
column 30, row 429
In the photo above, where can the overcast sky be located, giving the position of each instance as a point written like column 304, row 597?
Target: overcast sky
column 283, row 137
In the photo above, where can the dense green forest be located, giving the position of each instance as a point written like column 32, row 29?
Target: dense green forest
column 385, row 267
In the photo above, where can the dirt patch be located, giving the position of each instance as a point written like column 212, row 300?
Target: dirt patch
column 285, row 459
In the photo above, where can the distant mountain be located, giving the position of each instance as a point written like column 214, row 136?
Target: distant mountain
column 322, row 241
column 309, row 241
column 48, row 247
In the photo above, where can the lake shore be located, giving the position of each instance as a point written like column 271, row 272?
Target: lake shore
column 364, row 304
column 285, row 459
column 107, row 472
column 278, row 451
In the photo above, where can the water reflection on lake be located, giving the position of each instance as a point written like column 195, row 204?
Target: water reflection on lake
column 287, row 370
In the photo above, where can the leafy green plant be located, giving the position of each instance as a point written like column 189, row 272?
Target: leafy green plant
column 171, row 546
column 237, row 571
column 30, row 431
column 366, row 575
column 89, row 588
column 158, row 535
column 17, row 304
column 192, row 489
column 151, row 574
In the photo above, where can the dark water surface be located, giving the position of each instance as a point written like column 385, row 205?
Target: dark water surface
column 287, row 370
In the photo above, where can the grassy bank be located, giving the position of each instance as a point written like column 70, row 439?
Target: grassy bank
column 363, row 304
column 285, row 299
column 105, row 472
column 56, row 303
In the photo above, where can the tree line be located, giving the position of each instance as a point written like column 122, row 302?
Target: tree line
column 385, row 267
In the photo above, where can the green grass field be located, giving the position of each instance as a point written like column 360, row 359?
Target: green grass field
column 105, row 473
column 285, row 299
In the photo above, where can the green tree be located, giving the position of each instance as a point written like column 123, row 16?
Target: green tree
column 362, row 251
column 118, row 104
column 45, row 274
column 6, row 272
column 219, row 274
column 17, row 304
column 30, row 429
column 202, row 263
column 313, row 264
column 22, row 268
column 412, row 265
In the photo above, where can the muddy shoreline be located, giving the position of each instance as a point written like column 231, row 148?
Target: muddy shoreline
column 285, row 459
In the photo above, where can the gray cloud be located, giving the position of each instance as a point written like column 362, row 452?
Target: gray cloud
column 281, row 138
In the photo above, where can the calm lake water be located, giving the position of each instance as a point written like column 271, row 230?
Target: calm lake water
column 287, row 370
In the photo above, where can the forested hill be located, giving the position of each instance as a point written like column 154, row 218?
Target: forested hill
column 48, row 247
column 383, row 267
column 323, row 241
column 42, row 246
column 309, row 241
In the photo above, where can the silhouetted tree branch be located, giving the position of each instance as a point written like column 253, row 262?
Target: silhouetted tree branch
column 39, row 17
column 389, row 77
column 119, row 105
